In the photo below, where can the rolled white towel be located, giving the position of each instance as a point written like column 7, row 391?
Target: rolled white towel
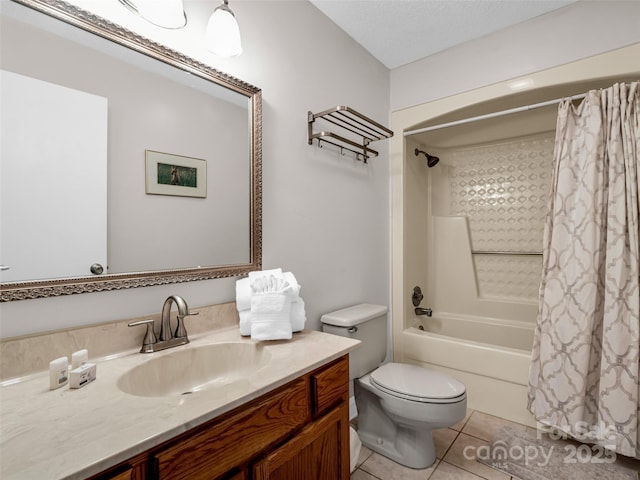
column 245, row 322
column 298, row 315
column 243, row 294
column 270, row 316
column 295, row 286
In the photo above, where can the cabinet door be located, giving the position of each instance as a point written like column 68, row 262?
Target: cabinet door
column 212, row 451
column 319, row 452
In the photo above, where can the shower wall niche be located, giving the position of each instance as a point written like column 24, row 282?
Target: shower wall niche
column 501, row 189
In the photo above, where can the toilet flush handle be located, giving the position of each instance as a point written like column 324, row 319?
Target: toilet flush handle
column 353, row 330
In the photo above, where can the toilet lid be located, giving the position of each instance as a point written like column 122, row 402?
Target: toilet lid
column 421, row 384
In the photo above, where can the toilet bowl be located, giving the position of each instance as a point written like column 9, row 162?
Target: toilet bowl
column 398, row 405
column 398, row 422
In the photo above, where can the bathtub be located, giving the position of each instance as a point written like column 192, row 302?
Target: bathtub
column 490, row 356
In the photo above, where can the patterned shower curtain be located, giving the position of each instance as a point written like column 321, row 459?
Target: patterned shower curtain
column 585, row 372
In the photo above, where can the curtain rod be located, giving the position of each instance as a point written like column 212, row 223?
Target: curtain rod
column 493, row 115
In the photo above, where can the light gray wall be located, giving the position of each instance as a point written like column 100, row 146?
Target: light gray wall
column 577, row 31
column 326, row 217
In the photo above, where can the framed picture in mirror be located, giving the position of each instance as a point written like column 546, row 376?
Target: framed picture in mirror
column 169, row 174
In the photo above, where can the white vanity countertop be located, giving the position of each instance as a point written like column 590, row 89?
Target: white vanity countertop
column 67, row 433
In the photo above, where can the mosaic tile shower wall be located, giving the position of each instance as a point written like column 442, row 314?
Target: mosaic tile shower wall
column 502, row 189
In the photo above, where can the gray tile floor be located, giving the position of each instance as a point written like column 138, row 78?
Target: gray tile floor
column 476, row 429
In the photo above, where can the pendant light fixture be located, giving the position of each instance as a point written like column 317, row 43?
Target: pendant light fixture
column 223, row 33
column 162, row 13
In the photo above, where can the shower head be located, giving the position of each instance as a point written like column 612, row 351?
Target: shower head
column 431, row 160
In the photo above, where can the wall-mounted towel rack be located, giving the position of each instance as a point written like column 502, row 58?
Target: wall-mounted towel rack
column 349, row 122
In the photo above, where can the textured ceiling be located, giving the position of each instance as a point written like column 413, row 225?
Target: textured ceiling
column 398, row 32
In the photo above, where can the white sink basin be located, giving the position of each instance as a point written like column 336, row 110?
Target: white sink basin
column 189, row 370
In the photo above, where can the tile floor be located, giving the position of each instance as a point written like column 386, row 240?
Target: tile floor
column 476, row 429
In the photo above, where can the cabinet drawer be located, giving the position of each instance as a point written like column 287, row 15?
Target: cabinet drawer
column 232, row 441
column 329, row 385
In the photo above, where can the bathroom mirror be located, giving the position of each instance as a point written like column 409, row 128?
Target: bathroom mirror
column 143, row 109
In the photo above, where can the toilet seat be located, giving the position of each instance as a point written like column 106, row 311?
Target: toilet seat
column 417, row 384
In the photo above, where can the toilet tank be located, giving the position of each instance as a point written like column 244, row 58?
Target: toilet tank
column 365, row 322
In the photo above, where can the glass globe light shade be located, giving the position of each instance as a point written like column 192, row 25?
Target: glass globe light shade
column 223, row 33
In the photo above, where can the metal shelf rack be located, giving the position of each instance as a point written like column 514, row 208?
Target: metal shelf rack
column 350, row 123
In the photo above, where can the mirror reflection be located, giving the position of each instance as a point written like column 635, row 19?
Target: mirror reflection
column 115, row 162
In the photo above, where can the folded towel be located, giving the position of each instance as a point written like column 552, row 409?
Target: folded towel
column 262, row 331
column 270, row 316
column 245, row 322
column 244, row 292
column 298, row 318
column 270, row 308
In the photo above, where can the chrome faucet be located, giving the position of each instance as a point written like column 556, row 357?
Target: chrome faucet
column 168, row 339
column 423, row 311
column 165, row 319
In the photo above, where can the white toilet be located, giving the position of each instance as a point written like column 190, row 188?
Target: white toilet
column 398, row 404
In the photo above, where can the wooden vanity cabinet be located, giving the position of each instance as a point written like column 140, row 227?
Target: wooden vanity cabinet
column 298, row 431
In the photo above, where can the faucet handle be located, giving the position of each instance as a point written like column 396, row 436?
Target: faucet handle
column 149, row 336
column 181, row 331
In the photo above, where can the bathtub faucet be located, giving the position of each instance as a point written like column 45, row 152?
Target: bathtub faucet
column 423, row 311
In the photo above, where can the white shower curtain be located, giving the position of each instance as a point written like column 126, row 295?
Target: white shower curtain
column 584, row 377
